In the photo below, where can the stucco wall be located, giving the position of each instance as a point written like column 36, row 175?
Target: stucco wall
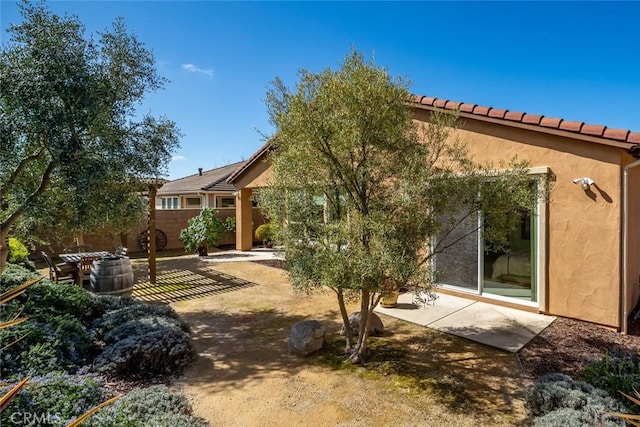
column 583, row 228
column 255, row 176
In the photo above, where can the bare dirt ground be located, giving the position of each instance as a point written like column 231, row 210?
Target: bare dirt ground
column 417, row 377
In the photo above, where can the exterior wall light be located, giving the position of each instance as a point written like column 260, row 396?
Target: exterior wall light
column 585, row 182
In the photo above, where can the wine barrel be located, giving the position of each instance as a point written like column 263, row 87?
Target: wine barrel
column 112, row 275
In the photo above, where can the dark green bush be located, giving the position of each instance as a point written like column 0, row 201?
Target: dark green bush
column 56, row 299
column 161, row 352
column 618, row 371
column 142, row 326
column 62, row 338
column 116, row 318
column 14, row 275
column 152, row 406
column 555, row 392
column 57, row 397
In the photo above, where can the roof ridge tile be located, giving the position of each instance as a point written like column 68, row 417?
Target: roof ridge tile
column 581, row 128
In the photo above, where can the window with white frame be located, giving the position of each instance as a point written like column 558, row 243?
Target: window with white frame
column 192, row 202
column 225, row 202
column 169, row 203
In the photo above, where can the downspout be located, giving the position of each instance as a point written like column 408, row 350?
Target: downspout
column 625, row 241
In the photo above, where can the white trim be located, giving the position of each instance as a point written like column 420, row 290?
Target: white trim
column 625, row 242
column 541, row 254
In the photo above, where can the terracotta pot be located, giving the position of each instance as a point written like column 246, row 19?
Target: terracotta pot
column 391, row 300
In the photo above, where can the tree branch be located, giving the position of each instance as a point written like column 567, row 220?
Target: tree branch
column 21, row 167
column 44, row 183
column 439, row 249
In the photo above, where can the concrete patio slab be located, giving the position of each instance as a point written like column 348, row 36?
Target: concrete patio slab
column 256, row 254
column 412, row 311
column 501, row 327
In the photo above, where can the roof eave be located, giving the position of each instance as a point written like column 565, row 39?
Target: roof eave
column 258, row 155
column 631, row 148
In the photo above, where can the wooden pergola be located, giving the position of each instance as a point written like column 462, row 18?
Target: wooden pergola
column 153, row 184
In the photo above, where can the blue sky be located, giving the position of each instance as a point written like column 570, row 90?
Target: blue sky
column 576, row 60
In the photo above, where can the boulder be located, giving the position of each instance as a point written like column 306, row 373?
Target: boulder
column 306, row 337
column 376, row 326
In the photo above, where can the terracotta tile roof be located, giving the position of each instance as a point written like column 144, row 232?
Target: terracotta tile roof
column 621, row 138
column 210, row 180
column 578, row 128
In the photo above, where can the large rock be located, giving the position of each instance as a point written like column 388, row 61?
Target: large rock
column 375, row 328
column 306, row 337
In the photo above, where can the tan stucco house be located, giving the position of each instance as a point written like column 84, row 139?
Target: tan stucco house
column 578, row 253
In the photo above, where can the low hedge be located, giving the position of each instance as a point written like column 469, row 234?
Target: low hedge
column 120, row 316
column 36, row 347
column 559, row 400
column 57, row 398
column 163, row 351
column 52, row 400
column 152, row 406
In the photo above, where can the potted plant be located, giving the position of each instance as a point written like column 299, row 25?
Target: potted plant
column 205, row 231
column 266, row 234
column 390, row 291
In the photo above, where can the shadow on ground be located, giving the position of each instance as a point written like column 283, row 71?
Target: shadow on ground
column 183, row 279
column 241, row 315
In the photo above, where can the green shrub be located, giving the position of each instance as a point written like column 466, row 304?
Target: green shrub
column 40, row 358
column 205, row 230
column 143, row 326
column 56, row 396
column 113, row 302
column 116, row 318
column 164, row 351
column 18, row 252
column 152, row 406
column 14, row 275
column 618, row 371
column 62, row 339
column 265, row 233
column 578, row 401
column 56, row 299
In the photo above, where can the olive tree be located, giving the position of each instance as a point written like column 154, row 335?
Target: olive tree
column 359, row 190
column 72, row 145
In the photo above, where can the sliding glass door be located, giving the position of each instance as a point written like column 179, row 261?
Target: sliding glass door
column 468, row 266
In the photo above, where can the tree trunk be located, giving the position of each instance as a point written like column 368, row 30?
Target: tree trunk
column 4, row 248
column 359, row 352
column 345, row 321
column 123, row 240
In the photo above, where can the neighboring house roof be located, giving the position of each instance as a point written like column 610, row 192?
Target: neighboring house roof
column 620, row 138
column 211, row 180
